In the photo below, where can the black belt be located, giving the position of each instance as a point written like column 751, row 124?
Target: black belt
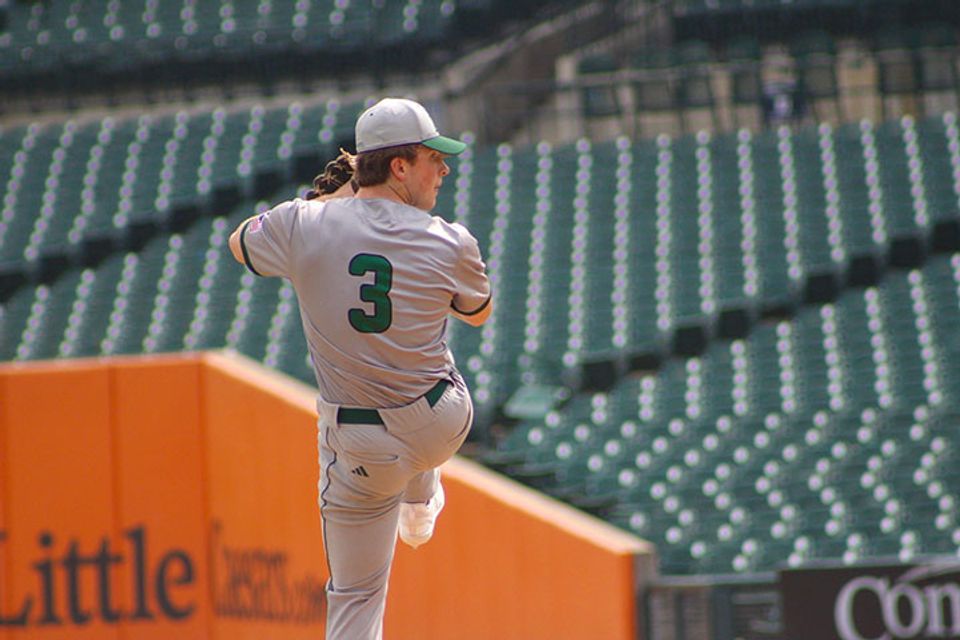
column 372, row 416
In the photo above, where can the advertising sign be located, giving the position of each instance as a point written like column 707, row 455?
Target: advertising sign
column 881, row 602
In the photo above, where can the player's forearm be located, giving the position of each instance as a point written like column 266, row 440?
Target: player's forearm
column 235, row 248
column 475, row 319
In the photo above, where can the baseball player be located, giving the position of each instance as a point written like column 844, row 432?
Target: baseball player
column 376, row 277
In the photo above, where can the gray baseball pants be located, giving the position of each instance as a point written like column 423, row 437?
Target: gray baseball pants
column 366, row 471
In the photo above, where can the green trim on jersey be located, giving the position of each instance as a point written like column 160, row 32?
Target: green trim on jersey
column 475, row 311
column 243, row 248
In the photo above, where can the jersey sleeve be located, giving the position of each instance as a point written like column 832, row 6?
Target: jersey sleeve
column 473, row 286
column 266, row 241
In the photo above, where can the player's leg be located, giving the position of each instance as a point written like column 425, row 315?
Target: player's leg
column 447, row 424
column 422, row 486
column 360, row 557
column 423, row 500
column 360, row 511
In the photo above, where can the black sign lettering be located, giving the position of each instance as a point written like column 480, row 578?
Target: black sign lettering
column 104, row 560
column 18, row 619
column 246, row 582
column 253, row 583
column 174, row 572
column 183, row 577
column 137, row 537
column 45, row 569
column 72, row 562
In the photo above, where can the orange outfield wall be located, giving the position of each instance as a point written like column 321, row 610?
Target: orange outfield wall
column 175, row 496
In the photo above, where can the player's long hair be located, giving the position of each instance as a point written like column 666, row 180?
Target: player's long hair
column 362, row 170
column 337, row 173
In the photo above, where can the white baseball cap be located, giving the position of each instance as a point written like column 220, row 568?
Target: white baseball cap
column 394, row 122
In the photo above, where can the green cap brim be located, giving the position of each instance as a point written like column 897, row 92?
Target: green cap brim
column 445, row 145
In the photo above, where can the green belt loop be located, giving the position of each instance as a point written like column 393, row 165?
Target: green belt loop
column 433, row 396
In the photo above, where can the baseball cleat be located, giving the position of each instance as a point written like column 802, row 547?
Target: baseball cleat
column 417, row 519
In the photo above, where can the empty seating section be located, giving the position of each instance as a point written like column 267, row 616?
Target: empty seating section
column 826, row 430
column 644, row 203
column 847, row 452
column 733, row 222
column 593, row 247
column 639, row 238
column 903, row 192
column 70, row 183
column 758, row 63
column 46, row 36
column 25, row 188
column 708, row 7
column 938, row 140
column 182, row 291
column 777, row 253
column 558, row 305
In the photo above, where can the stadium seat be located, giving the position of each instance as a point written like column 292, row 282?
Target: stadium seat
column 778, row 260
column 207, row 291
column 33, row 175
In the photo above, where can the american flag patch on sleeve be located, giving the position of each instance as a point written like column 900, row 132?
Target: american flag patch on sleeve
column 255, row 224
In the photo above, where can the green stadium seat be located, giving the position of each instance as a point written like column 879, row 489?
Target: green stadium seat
column 777, row 242
column 197, row 138
column 151, row 167
column 206, row 290
column 903, row 192
column 173, row 291
column 76, row 325
column 30, row 179
column 64, row 186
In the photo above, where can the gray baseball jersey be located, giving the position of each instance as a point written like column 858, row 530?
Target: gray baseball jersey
column 375, row 280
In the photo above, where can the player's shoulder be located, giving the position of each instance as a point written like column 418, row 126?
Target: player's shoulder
column 283, row 209
column 456, row 231
column 285, row 216
column 302, row 208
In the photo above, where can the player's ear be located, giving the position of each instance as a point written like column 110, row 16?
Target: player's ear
column 398, row 167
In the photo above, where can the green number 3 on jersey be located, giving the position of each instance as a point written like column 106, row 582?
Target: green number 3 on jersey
column 376, row 293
